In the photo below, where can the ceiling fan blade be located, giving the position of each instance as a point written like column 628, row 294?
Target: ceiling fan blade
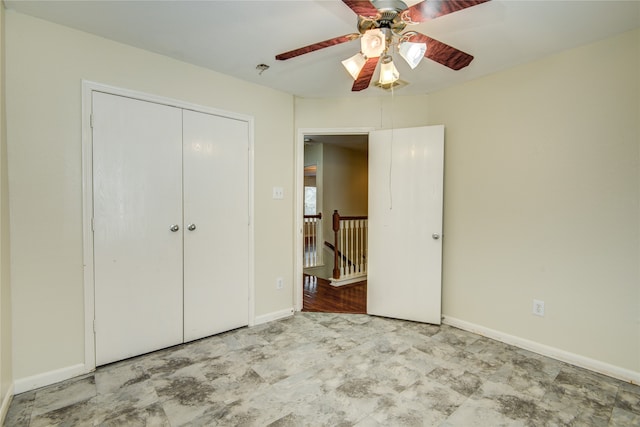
column 431, row 9
column 364, row 78
column 362, row 8
column 317, row 46
column 443, row 53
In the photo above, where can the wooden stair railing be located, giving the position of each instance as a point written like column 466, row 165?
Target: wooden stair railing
column 340, row 254
column 350, row 246
column 312, row 232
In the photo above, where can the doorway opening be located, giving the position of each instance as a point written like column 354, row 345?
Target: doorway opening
column 405, row 174
column 334, row 223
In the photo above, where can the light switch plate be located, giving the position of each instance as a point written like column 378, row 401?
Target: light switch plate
column 278, row 193
column 538, row 307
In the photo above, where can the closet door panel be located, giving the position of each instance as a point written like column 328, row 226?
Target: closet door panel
column 216, row 206
column 137, row 166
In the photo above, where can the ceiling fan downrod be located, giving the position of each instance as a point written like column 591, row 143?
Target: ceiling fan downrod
column 389, row 5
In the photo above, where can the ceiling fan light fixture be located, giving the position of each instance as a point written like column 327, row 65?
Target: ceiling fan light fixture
column 372, row 43
column 412, row 52
column 354, row 64
column 388, row 71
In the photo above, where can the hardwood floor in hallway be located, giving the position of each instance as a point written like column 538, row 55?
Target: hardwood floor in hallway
column 320, row 296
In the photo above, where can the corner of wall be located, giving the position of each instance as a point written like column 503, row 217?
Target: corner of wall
column 6, row 347
column 6, row 401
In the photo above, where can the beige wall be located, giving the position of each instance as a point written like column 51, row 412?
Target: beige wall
column 542, row 194
column 542, row 188
column 345, row 187
column 372, row 112
column 542, row 200
column 45, row 66
column 6, row 375
column 344, row 181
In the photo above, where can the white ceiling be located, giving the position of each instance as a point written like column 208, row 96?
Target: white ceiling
column 232, row 37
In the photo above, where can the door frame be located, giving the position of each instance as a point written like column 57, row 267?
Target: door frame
column 298, row 268
column 88, row 87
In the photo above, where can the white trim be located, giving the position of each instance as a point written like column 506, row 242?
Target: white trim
column 252, row 250
column 87, row 200
column 6, row 402
column 275, row 315
column 545, row 350
column 341, row 282
column 298, row 268
column 87, row 233
column 143, row 96
column 48, row 378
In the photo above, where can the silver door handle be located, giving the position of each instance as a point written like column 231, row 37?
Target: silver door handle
column 435, row 236
column 191, row 227
column 174, row 228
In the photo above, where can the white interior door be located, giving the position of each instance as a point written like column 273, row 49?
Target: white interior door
column 216, row 215
column 137, row 167
column 405, row 223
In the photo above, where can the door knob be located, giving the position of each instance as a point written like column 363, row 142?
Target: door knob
column 174, row 228
column 191, row 227
column 435, row 236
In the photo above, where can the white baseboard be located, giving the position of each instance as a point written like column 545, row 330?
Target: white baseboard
column 6, row 401
column 47, row 378
column 276, row 315
column 342, row 282
column 545, row 350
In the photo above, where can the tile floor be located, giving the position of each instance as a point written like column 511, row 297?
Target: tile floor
column 320, row 369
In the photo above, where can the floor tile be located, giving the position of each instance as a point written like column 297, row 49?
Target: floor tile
column 622, row 418
column 19, row 414
column 64, row 394
column 628, row 400
column 323, row 369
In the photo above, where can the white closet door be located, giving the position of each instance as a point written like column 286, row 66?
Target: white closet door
column 216, row 206
column 137, row 161
column 405, row 223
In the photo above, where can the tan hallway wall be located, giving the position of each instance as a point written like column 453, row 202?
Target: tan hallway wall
column 345, row 188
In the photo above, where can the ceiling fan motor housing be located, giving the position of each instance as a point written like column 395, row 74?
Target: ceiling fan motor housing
column 389, row 5
column 389, row 16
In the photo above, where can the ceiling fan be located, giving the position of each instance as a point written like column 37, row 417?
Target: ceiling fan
column 380, row 26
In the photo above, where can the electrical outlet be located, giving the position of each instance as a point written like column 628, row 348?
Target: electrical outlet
column 279, row 283
column 538, row 307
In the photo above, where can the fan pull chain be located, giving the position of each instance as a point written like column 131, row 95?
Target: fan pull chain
column 391, row 151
